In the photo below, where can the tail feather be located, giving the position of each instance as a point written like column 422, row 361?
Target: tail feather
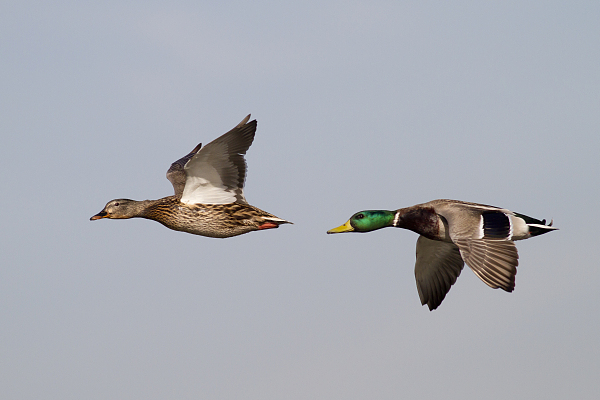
column 540, row 229
column 537, row 227
column 278, row 220
column 529, row 220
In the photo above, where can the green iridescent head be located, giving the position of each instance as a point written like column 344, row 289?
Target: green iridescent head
column 366, row 221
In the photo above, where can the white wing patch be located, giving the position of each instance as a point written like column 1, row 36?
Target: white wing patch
column 198, row 190
column 206, row 188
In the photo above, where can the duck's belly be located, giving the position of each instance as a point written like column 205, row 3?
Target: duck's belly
column 204, row 221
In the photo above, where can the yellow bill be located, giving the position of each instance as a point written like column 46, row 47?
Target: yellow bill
column 340, row 229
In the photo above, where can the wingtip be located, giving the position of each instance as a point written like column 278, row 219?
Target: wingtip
column 196, row 149
column 244, row 121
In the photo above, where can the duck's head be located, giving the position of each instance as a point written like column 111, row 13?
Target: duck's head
column 366, row 221
column 118, row 209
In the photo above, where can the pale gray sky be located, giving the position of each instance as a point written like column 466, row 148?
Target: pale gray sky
column 360, row 105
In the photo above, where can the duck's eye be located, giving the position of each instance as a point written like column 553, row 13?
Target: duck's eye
column 116, row 204
column 360, row 216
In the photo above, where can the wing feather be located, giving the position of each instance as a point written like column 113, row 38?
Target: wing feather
column 176, row 174
column 216, row 174
column 436, row 269
column 493, row 261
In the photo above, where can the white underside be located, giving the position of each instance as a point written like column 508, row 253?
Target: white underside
column 201, row 191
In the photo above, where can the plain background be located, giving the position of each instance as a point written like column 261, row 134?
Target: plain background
column 360, row 105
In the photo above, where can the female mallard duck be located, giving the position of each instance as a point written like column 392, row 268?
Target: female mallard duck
column 454, row 232
column 209, row 192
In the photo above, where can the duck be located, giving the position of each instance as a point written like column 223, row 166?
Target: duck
column 209, row 192
column 452, row 233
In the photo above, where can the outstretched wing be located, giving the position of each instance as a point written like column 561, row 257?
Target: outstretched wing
column 216, row 174
column 494, row 261
column 482, row 234
column 437, row 267
column 176, row 174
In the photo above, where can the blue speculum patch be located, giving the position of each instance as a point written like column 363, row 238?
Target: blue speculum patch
column 496, row 225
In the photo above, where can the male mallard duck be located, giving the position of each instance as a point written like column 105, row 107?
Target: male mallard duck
column 454, row 232
column 209, row 192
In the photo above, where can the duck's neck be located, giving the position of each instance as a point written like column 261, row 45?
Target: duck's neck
column 156, row 209
column 143, row 207
column 422, row 220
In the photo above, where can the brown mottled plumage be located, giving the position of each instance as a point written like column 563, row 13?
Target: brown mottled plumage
column 209, row 198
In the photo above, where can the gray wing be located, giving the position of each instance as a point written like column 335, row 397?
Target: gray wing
column 481, row 234
column 494, row 261
column 437, row 267
column 216, row 174
column 176, row 173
